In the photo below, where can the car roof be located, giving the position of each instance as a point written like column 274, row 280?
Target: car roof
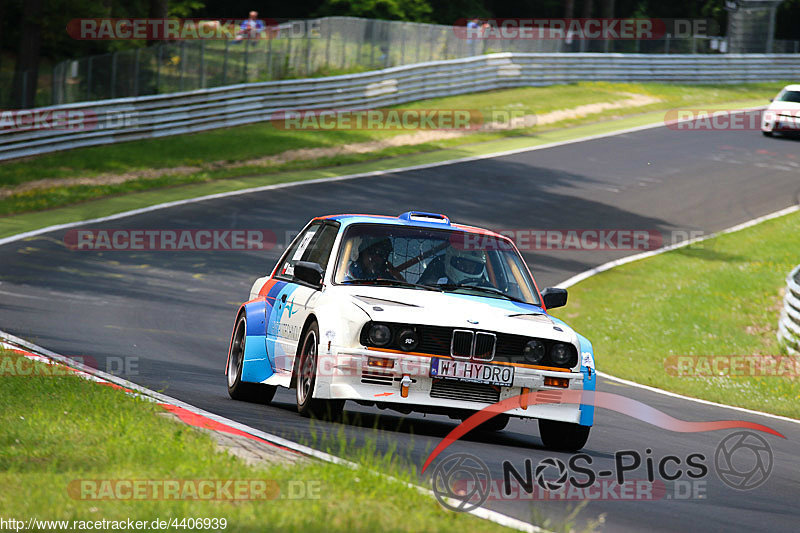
column 419, row 219
column 793, row 87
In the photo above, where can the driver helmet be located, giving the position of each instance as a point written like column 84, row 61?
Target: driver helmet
column 461, row 265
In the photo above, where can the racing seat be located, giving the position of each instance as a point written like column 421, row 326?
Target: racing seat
column 433, row 272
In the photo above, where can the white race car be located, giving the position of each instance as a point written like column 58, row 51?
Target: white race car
column 411, row 313
column 783, row 114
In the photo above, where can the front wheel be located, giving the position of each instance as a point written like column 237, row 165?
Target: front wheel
column 563, row 436
column 767, row 133
column 238, row 389
column 307, row 405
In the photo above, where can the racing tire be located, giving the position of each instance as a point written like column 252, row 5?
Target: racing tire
column 238, row 389
column 767, row 133
column 307, row 405
column 563, row 436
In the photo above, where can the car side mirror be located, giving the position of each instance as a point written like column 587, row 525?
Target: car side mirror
column 553, row 297
column 771, row 99
column 309, row 272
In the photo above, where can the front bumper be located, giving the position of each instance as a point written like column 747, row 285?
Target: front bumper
column 344, row 374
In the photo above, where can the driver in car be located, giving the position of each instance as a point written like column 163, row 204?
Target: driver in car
column 373, row 262
column 464, row 267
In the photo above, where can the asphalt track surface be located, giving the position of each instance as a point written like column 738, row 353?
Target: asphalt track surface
column 171, row 313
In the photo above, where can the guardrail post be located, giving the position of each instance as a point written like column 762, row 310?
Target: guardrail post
column 344, row 50
column 419, row 43
column 113, row 73
column 24, row 100
column 158, row 67
column 136, row 73
column 202, row 64
column 89, row 79
column 182, row 60
column 402, row 43
column 360, row 44
column 225, row 63
column 666, row 43
column 53, row 84
column 308, row 48
column 269, row 58
column 244, row 65
column 328, row 49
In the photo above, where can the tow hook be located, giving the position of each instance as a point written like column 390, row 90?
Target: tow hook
column 404, row 384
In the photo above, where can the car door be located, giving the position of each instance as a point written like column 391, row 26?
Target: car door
column 291, row 306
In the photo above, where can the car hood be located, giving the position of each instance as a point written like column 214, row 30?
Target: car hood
column 784, row 106
column 417, row 306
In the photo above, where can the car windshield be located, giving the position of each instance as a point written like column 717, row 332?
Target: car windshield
column 424, row 258
column 789, row 96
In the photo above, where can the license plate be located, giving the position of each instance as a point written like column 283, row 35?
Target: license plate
column 472, row 372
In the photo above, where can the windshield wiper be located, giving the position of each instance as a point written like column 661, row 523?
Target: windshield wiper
column 389, row 282
column 488, row 290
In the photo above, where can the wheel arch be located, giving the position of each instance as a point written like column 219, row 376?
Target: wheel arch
column 239, row 314
column 311, row 318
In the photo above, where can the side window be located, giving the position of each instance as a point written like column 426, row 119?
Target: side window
column 315, row 245
column 319, row 250
column 296, row 251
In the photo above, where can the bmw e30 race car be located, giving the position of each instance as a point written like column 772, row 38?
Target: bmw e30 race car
column 412, row 313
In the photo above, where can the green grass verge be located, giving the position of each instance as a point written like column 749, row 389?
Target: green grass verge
column 718, row 297
column 213, row 152
column 57, row 429
column 122, row 201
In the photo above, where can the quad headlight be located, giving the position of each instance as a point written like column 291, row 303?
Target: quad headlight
column 380, row 335
column 560, row 354
column 407, row 339
column 534, row 351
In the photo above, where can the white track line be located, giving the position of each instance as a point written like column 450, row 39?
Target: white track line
column 480, row 512
column 636, row 257
column 250, row 190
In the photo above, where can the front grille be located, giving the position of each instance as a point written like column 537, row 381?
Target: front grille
column 438, row 340
column 484, row 346
column 467, row 392
column 462, row 343
column 376, row 378
column 435, row 340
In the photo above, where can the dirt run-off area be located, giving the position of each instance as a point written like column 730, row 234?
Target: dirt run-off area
column 406, row 139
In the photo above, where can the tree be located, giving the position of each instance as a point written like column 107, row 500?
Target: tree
column 411, row 10
column 569, row 8
column 26, row 70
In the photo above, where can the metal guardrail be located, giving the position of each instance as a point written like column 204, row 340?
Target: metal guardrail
column 149, row 117
column 789, row 323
